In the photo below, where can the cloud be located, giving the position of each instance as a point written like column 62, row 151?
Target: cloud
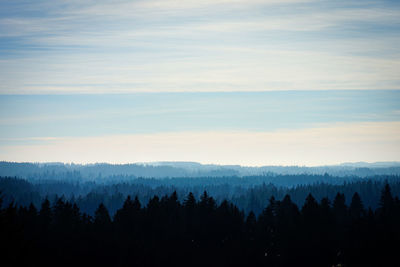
column 142, row 46
column 207, row 68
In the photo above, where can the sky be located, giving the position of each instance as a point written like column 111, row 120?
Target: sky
column 250, row 82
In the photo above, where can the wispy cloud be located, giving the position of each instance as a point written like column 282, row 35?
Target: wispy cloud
column 131, row 46
column 206, row 69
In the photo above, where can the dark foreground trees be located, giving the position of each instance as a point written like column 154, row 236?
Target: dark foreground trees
column 167, row 232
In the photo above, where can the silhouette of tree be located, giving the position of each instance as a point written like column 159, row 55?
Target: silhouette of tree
column 198, row 233
column 190, row 201
column 45, row 214
column 386, row 203
column 356, row 209
column 102, row 217
column 340, row 208
column 310, row 209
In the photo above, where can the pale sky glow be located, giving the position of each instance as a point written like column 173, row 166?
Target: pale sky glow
column 253, row 82
column 314, row 146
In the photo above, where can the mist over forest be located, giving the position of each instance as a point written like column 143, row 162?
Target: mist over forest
column 174, row 213
column 249, row 188
column 103, row 171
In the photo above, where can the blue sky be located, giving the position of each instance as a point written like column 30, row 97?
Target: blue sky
column 25, row 116
column 128, row 81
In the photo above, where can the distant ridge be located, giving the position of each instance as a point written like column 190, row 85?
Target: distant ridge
column 192, row 169
column 363, row 164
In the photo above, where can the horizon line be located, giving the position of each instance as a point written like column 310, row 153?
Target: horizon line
column 201, row 163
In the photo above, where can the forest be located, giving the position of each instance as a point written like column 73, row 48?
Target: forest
column 250, row 193
column 108, row 215
column 202, row 232
column 264, row 220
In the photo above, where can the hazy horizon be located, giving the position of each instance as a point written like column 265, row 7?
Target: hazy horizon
column 182, row 163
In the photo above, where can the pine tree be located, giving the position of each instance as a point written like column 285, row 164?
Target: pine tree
column 190, row 201
column 45, row 214
column 102, row 217
column 356, row 209
column 386, row 201
column 310, row 209
column 340, row 210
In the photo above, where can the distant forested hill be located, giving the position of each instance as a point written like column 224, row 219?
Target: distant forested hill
column 184, row 169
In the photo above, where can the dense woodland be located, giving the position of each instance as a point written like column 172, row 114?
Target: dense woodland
column 200, row 232
column 265, row 220
column 247, row 193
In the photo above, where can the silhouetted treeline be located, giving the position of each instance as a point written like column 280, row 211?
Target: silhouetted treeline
column 245, row 195
column 200, row 232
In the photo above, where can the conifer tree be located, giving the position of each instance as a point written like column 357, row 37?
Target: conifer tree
column 356, row 209
column 45, row 214
column 102, row 217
